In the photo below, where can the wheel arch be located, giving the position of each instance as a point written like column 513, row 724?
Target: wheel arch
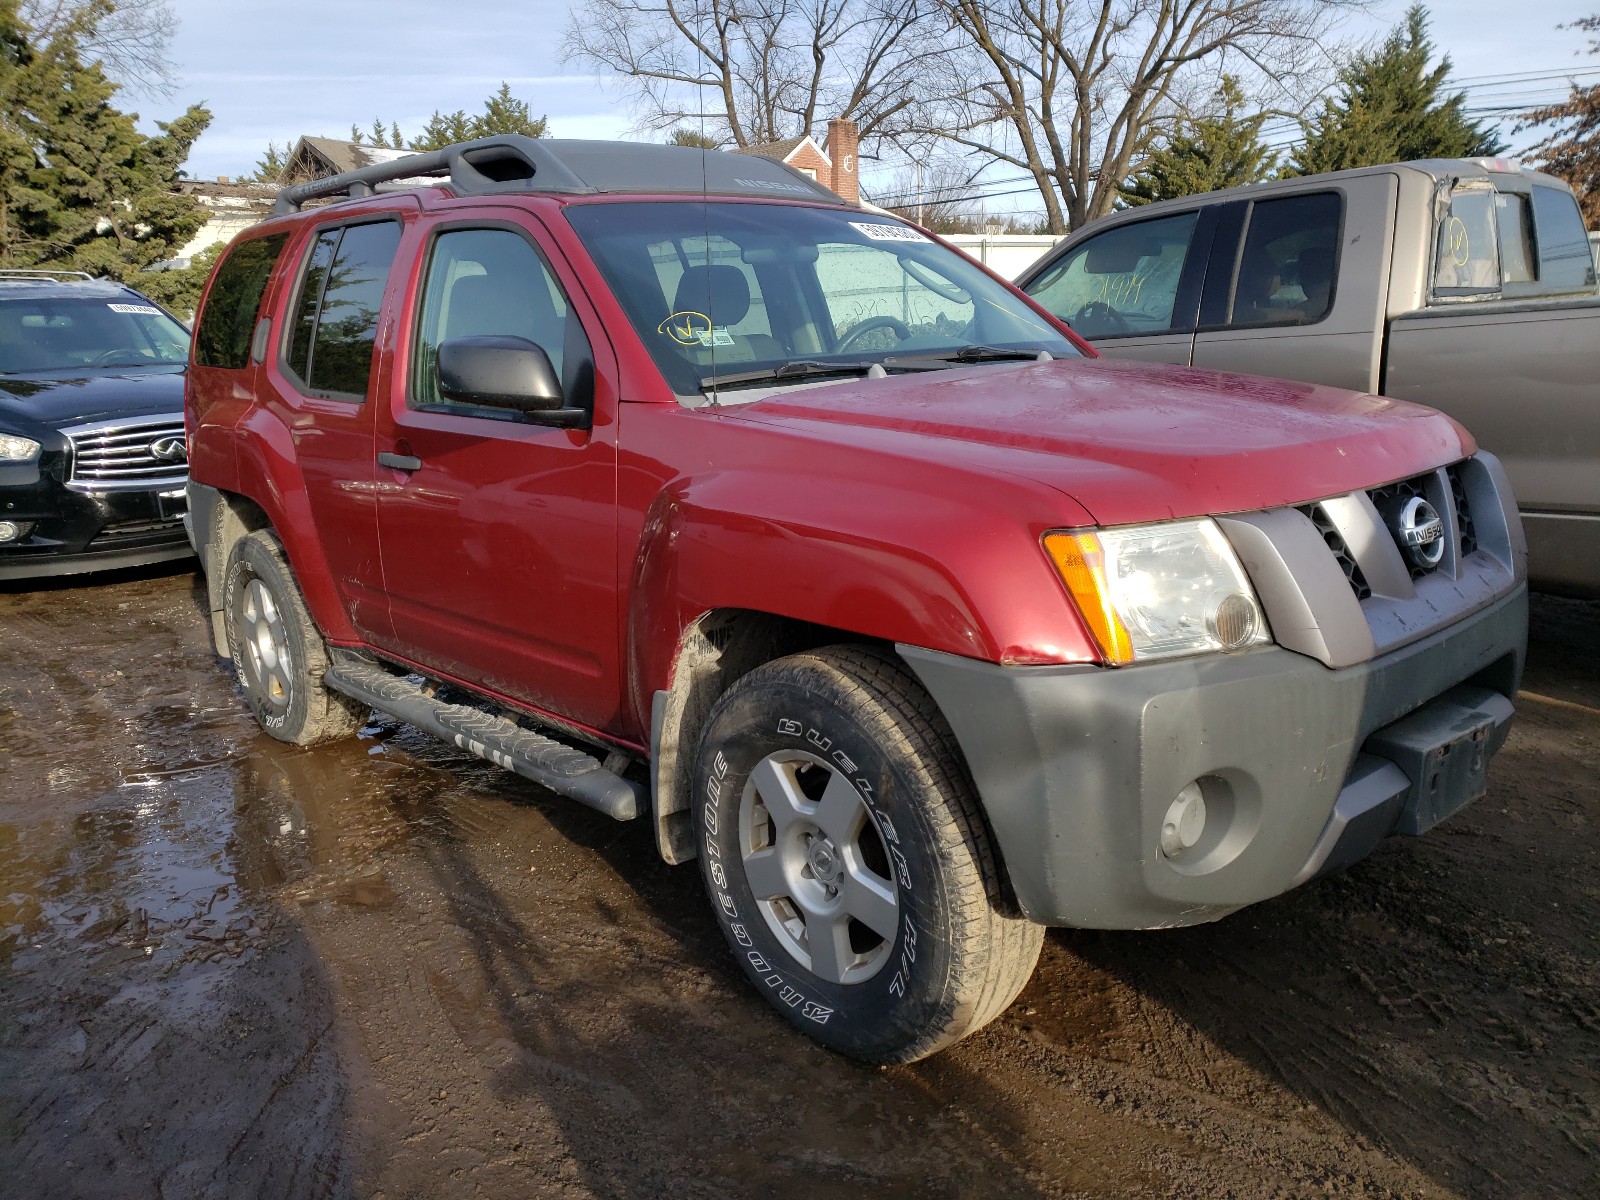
column 221, row 518
column 714, row 651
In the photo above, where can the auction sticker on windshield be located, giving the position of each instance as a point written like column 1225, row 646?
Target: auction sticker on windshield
column 146, row 309
column 888, row 233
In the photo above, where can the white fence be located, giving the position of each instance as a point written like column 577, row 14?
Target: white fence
column 1007, row 254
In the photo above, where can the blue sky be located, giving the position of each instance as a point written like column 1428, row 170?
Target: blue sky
column 271, row 70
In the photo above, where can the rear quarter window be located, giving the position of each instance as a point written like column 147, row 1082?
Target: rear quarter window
column 1565, row 260
column 234, row 302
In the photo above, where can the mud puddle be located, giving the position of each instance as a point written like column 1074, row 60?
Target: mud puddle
column 228, row 967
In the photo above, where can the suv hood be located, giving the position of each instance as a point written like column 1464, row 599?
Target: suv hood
column 70, row 398
column 1133, row 442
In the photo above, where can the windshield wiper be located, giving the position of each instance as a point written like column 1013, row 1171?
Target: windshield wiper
column 800, row 368
column 993, row 354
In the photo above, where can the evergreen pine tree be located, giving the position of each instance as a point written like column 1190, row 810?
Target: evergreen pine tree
column 683, row 135
column 502, row 113
column 80, row 187
column 1390, row 109
column 1206, row 154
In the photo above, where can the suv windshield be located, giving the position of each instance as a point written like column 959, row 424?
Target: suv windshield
column 40, row 333
column 728, row 295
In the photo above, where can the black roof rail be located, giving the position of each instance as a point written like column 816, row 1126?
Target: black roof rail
column 513, row 162
column 505, row 163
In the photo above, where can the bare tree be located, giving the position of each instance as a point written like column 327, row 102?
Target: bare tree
column 128, row 37
column 762, row 70
column 1074, row 92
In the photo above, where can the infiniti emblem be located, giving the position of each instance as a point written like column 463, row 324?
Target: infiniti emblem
column 1420, row 532
column 169, row 449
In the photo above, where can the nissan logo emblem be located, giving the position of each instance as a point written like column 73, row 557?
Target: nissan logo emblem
column 169, row 449
column 1420, row 532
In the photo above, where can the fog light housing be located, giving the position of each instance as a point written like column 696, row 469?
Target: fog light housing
column 14, row 531
column 1185, row 822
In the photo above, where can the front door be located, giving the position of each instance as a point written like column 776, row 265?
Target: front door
column 498, row 535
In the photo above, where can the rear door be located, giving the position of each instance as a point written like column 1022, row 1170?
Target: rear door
column 1300, row 292
column 1132, row 290
column 323, row 376
column 498, row 534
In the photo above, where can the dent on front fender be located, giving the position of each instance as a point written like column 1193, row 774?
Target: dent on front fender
column 870, row 558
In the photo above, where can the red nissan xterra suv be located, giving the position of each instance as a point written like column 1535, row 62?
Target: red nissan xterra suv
column 671, row 481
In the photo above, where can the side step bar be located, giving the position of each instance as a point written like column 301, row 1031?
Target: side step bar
column 559, row 767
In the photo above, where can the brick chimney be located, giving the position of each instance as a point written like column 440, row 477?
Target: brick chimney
column 844, row 144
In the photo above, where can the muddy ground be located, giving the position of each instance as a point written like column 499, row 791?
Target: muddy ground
column 230, row 968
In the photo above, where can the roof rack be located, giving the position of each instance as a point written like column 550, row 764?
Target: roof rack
column 513, row 162
column 508, row 162
column 41, row 274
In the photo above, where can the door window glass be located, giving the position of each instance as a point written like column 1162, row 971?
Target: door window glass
column 1467, row 258
column 493, row 282
column 305, row 316
column 1516, row 237
column 1123, row 282
column 1565, row 260
column 347, row 321
column 1289, row 261
column 232, row 305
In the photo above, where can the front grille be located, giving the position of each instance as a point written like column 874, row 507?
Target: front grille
column 120, row 456
column 1347, row 530
column 1339, row 550
column 130, row 535
column 1458, row 493
column 1389, row 497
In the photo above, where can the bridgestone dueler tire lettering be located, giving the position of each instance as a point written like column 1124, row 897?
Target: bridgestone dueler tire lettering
column 958, row 958
column 307, row 712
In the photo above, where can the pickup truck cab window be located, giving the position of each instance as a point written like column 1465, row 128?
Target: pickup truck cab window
column 336, row 321
column 1123, row 283
column 1515, row 233
column 779, row 292
column 1565, row 260
column 491, row 282
column 1467, row 253
column 1289, row 261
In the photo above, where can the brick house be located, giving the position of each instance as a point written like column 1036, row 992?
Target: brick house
column 835, row 165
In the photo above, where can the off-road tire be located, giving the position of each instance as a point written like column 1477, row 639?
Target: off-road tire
column 959, row 955
column 277, row 651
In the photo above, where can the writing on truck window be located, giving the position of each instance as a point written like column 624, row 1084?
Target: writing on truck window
column 1123, row 282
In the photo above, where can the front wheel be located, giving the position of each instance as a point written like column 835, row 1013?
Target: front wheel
column 847, row 860
column 277, row 650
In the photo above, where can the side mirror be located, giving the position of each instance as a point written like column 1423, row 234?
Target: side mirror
column 500, row 371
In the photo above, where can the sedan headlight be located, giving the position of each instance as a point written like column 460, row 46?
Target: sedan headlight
column 17, row 449
column 1159, row 591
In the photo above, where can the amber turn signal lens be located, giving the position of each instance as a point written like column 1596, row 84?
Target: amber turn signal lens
column 1082, row 565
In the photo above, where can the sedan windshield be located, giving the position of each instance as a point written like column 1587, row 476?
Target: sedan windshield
column 730, row 296
column 39, row 334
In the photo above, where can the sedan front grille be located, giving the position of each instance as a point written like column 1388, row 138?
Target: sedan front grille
column 137, row 454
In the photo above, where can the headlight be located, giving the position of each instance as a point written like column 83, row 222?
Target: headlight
column 17, row 449
column 1159, row 591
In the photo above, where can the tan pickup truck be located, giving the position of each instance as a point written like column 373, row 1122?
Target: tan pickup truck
column 1464, row 284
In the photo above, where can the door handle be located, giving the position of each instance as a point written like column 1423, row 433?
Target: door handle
column 400, row 462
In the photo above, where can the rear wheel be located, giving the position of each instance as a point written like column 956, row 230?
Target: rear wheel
column 847, row 861
column 277, row 651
